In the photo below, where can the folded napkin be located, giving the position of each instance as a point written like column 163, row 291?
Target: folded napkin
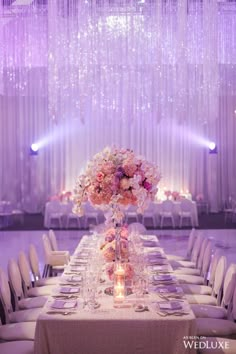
column 159, row 268
column 148, row 238
column 76, row 261
column 164, row 277
column 169, row 289
column 77, row 268
column 170, row 305
column 156, row 255
column 62, row 304
column 68, row 290
column 82, row 255
column 74, row 279
column 150, row 243
column 157, row 261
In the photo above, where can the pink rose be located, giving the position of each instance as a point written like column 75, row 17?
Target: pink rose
column 129, row 169
column 108, row 168
column 124, row 233
column 124, row 183
column 100, row 177
column 127, row 198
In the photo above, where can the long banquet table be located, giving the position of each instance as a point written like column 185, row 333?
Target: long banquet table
column 109, row 330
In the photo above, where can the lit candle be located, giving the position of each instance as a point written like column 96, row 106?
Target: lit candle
column 120, row 270
column 120, row 296
column 119, row 284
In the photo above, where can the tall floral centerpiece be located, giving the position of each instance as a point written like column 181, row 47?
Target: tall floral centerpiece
column 114, row 179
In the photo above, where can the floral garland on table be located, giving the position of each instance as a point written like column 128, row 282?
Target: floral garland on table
column 116, row 178
column 108, row 247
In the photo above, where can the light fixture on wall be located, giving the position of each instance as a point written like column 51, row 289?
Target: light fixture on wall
column 34, row 149
column 212, row 147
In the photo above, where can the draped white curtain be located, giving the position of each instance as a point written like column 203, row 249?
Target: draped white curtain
column 157, row 77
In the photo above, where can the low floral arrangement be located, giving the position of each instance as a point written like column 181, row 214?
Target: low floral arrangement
column 168, row 194
column 115, row 178
column 175, row 195
column 62, row 197
column 108, row 247
column 200, row 197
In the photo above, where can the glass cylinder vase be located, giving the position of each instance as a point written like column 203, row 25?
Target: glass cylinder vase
column 119, row 290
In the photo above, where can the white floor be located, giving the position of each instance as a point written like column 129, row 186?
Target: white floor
column 173, row 241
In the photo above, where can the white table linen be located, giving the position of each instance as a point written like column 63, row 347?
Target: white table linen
column 109, row 330
column 177, row 209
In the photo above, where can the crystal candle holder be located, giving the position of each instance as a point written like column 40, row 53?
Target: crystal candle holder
column 119, row 285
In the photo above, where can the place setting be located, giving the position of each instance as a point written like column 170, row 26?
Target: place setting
column 157, row 279
column 63, row 307
column 171, row 308
column 160, row 269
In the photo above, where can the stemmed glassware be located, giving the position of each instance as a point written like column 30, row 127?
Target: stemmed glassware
column 91, row 280
column 136, row 255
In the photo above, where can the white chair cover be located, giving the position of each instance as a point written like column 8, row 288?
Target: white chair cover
column 19, row 347
column 191, row 240
column 17, row 316
column 53, row 240
column 25, row 273
column 34, row 263
column 17, row 331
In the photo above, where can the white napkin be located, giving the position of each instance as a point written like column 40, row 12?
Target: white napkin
column 79, row 268
column 68, row 290
column 74, row 278
column 170, row 305
column 61, row 304
column 169, row 289
column 164, row 277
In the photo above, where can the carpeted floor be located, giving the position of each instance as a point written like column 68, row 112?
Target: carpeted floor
column 206, row 221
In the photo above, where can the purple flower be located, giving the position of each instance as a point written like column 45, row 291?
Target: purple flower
column 120, row 172
column 147, row 185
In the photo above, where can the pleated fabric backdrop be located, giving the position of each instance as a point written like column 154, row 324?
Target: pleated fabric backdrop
column 155, row 76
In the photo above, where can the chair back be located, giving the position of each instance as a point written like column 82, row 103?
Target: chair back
column 219, row 278
column 89, row 208
column 15, row 279
column 202, row 253
column 69, row 208
column 5, row 207
column 196, row 248
column 191, row 240
column 150, row 208
column 54, row 206
column 34, row 262
column 234, row 305
column 229, row 285
column 5, row 293
column 47, row 248
column 213, row 266
column 206, row 260
column 167, row 206
column 186, row 205
column 137, row 227
column 53, row 240
column 24, row 271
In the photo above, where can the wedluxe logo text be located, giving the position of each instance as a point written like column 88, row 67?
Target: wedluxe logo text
column 195, row 342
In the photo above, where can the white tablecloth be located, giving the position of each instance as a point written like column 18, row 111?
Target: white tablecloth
column 177, row 209
column 63, row 208
column 108, row 330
